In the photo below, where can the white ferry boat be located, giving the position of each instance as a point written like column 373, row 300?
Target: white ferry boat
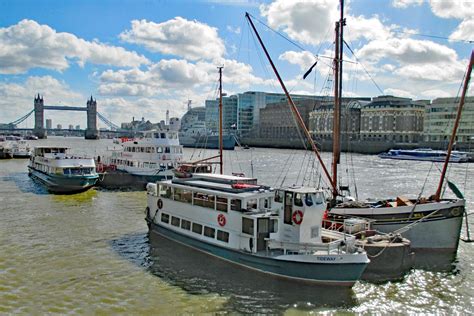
column 60, row 171
column 138, row 161
column 21, row 149
column 278, row 232
column 425, row 154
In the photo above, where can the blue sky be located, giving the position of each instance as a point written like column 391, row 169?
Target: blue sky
column 141, row 58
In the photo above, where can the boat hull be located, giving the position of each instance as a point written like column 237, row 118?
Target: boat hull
column 118, row 179
column 437, row 234
column 345, row 274
column 60, row 184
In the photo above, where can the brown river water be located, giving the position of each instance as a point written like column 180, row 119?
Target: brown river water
column 89, row 253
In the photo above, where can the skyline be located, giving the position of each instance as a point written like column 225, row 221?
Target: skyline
column 143, row 58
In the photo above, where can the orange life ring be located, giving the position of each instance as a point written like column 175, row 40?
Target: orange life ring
column 221, row 220
column 297, row 217
column 159, row 204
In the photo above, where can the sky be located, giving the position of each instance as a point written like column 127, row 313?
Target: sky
column 142, row 58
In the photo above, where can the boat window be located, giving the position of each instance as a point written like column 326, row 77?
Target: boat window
column 175, row 221
column 157, row 135
column 209, row 232
column 165, row 191
column 298, row 199
column 145, row 165
column 167, row 150
column 185, row 224
column 308, row 199
column 288, row 207
column 170, row 165
column 318, row 198
column 159, row 150
column 205, row 200
column 251, row 204
column 221, row 204
column 279, row 196
column 163, row 135
column 67, row 171
column 235, row 204
column 182, row 195
column 273, row 226
column 197, row 228
column 247, row 226
column 133, row 149
column 165, row 218
column 222, row 236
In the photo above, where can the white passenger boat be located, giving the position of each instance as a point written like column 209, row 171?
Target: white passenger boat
column 425, row 154
column 21, row 149
column 278, row 232
column 137, row 161
column 60, row 171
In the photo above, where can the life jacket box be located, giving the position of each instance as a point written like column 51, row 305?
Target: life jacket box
column 403, row 201
column 354, row 225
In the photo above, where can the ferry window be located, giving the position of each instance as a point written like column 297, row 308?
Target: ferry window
column 251, row 204
column 145, row 165
column 159, row 150
column 185, row 224
column 308, row 200
column 175, row 221
column 279, row 196
column 319, row 198
column 209, row 232
column 204, row 200
column 170, row 165
column 222, row 236
column 165, row 191
column 163, row 135
column 182, row 195
column 247, row 226
column 235, row 204
column 273, row 225
column 221, row 204
column 167, row 150
column 157, row 135
column 197, row 228
column 298, row 199
column 165, row 218
column 67, row 171
column 133, row 149
column 288, row 208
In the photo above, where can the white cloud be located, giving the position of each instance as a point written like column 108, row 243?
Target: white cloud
column 29, row 45
column 458, row 9
column 188, row 39
column 303, row 59
column 464, row 31
column 402, row 4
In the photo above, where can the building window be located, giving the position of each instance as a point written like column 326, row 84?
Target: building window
column 175, row 221
column 185, row 224
column 165, row 218
column 197, row 228
column 222, row 236
column 209, row 232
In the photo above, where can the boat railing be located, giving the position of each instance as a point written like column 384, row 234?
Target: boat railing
column 336, row 246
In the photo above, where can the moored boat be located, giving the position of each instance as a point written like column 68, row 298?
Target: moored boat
column 21, row 149
column 278, row 232
column 60, row 171
column 137, row 161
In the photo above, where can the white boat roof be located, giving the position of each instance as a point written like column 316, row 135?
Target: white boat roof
column 56, row 147
column 301, row 189
column 211, row 176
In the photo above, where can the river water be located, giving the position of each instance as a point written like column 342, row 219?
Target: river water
column 89, row 253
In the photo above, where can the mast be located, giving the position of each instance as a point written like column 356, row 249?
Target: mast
column 456, row 124
column 299, row 119
column 220, row 120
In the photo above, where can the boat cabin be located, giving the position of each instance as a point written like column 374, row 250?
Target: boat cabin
column 51, row 152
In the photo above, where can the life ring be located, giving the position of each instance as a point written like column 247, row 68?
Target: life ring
column 221, row 220
column 456, row 212
column 297, row 217
column 159, row 204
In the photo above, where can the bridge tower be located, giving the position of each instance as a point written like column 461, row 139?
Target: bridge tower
column 39, row 130
column 92, row 132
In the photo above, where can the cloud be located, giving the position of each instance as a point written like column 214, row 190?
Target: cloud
column 170, row 76
column 458, row 9
column 303, row 59
column 29, row 45
column 464, row 31
column 403, row 4
column 179, row 37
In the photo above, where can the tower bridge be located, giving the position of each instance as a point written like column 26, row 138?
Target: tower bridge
column 91, row 132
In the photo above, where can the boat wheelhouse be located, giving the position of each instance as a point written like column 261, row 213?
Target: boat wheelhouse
column 425, row 154
column 138, row 161
column 60, row 171
column 278, row 232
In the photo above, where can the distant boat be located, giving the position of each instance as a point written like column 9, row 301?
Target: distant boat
column 61, row 172
column 208, row 141
column 21, row 149
column 150, row 158
column 425, row 154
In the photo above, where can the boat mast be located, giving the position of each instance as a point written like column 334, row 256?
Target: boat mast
column 220, row 119
column 299, row 119
column 338, row 55
column 456, row 124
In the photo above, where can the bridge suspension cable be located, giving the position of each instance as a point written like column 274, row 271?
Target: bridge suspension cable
column 107, row 122
column 21, row 119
